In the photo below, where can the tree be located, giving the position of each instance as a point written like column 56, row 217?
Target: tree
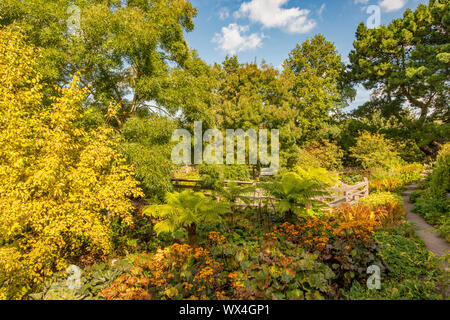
column 147, row 145
column 407, row 61
column 188, row 210
column 60, row 184
column 191, row 89
column 257, row 97
column 314, row 75
column 123, row 49
column 327, row 153
column 374, row 151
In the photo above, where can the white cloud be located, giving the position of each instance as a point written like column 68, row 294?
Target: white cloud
column 270, row 14
column 392, row 5
column 362, row 1
column 224, row 13
column 233, row 40
column 322, row 7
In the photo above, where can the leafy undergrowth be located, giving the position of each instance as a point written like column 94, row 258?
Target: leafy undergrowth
column 410, row 271
column 323, row 257
column 431, row 198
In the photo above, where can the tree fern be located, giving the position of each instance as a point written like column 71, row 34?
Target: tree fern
column 298, row 192
column 187, row 209
column 234, row 192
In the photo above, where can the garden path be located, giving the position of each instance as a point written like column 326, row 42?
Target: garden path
column 429, row 235
column 426, row 232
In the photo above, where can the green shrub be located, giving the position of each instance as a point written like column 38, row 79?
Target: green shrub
column 410, row 173
column 409, row 289
column 271, row 271
column 440, row 178
column 188, row 210
column 177, row 272
column 415, row 195
column 213, row 175
column 394, row 179
column 351, row 178
column 406, row 229
column 328, row 154
column 382, row 199
column 374, row 151
column 405, row 258
column 431, row 209
column 444, row 227
column 147, row 147
column 436, row 212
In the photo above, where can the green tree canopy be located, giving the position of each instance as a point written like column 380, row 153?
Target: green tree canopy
column 124, row 50
column 407, row 62
column 314, row 74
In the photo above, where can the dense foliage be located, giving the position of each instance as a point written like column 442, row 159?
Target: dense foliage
column 432, row 200
column 86, row 123
column 61, row 184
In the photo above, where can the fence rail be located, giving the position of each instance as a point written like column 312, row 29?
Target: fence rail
column 345, row 193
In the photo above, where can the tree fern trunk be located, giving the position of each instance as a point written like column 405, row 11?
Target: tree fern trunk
column 288, row 215
column 192, row 235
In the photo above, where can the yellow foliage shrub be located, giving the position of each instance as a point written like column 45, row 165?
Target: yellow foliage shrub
column 59, row 183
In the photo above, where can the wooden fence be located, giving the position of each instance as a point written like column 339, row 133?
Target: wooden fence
column 344, row 193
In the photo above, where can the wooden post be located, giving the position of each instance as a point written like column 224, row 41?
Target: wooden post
column 345, row 194
column 366, row 187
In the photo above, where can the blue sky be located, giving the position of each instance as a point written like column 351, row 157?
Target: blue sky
column 269, row 29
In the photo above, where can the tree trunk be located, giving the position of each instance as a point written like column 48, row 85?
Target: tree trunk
column 288, row 215
column 192, row 235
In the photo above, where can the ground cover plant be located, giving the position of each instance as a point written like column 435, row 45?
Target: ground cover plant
column 431, row 200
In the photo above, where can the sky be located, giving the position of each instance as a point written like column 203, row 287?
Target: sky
column 257, row 30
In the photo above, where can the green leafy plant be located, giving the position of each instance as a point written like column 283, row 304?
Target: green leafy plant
column 328, row 154
column 405, row 257
column 233, row 193
column 436, row 212
column 374, row 150
column 271, row 271
column 297, row 192
column 175, row 272
column 93, row 280
column 146, row 145
column 351, row 178
column 440, row 178
column 187, row 209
